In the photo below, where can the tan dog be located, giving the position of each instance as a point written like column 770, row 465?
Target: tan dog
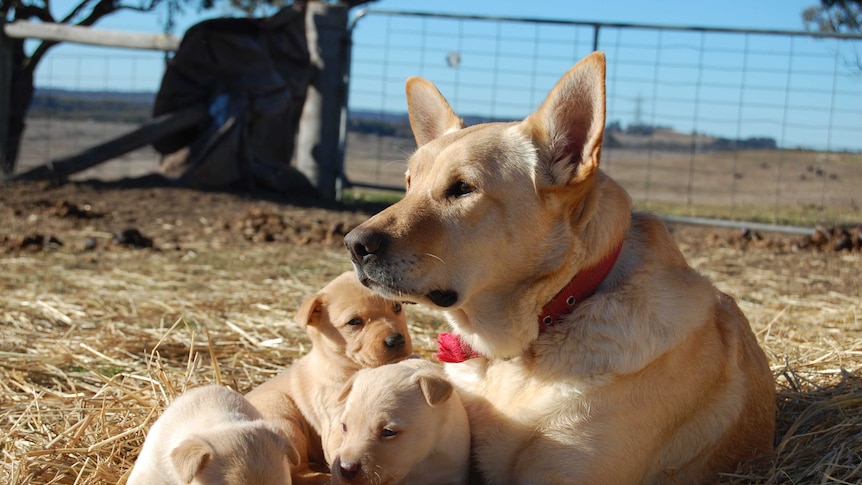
column 596, row 355
column 211, row 435
column 403, row 424
column 350, row 327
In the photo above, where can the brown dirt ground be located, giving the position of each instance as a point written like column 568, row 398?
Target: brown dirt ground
column 89, row 218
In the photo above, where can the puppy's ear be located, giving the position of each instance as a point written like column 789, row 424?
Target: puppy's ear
column 190, row 457
column 569, row 125
column 291, row 453
column 281, row 442
column 345, row 391
column 430, row 113
column 309, row 311
column 436, row 389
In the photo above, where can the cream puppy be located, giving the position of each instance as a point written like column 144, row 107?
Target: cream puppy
column 403, row 424
column 211, row 435
column 350, row 328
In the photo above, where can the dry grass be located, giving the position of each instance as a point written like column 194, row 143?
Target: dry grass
column 91, row 350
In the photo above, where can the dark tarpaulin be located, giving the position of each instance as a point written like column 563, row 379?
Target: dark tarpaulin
column 253, row 75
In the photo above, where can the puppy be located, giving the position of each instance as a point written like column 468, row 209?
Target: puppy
column 212, row 436
column 592, row 352
column 350, row 327
column 403, row 424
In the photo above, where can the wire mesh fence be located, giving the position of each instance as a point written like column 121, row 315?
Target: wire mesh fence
column 86, row 96
column 731, row 124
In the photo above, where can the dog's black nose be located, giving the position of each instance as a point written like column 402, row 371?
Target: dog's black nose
column 349, row 469
column 363, row 242
column 395, row 340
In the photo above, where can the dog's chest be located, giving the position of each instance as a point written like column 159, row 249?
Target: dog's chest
column 509, row 407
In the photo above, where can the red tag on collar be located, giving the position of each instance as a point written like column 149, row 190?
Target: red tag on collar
column 453, row 349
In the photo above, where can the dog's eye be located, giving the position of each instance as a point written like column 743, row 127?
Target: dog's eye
column 344, row 427
column 459, row 189
column 355, row 322
column 388, row 433
column 396, row 307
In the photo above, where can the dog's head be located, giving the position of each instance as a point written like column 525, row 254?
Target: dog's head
column 391, row 421
column 496, row 217
column 346, row 319
column 236, row 454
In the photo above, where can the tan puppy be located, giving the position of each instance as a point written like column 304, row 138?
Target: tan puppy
column 350, row 327
column 212, row 436
column 595, row 354
column 403, row 424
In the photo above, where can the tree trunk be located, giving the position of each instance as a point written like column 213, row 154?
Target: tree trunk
column 21, row 72
column 20, row 95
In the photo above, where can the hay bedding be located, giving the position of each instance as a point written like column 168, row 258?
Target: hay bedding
column 97, row 337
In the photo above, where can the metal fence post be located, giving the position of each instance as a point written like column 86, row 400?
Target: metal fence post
column 596, row 28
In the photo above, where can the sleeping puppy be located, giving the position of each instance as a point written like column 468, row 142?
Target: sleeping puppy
column 403, row 424
column 585, row 348
column 211, row 435
column 350, row 328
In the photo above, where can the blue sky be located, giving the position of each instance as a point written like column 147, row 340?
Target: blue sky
column 777, row 14
column 772, row 14
column 636, row 85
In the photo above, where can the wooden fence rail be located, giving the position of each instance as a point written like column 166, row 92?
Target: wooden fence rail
column 86, row 35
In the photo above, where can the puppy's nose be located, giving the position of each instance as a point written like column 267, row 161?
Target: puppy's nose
column 349, row 469
column 395, row 340
column 363, row 242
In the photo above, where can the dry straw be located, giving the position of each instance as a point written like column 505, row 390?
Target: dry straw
column 91, row 354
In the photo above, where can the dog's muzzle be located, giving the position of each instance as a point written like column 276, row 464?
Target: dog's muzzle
column 395, row 341
column 365, row 245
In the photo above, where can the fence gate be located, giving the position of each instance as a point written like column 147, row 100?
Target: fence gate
column 745, row 125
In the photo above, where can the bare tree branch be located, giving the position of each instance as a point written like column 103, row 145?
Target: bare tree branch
column 834, row 16
column 30, row 11
column 75, row 11
column 101, row 9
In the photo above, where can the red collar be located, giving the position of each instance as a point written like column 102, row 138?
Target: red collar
column 583, row 285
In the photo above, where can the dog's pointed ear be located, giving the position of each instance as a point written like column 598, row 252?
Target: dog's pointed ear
column 430, row 113
column 190, row 457
column 309, row 311
column 570, row 123
column 435, row 388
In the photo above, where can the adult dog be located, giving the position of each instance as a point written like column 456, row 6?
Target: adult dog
column 595, row 354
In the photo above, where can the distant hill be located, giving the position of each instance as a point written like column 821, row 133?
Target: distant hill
column 395, row 124
column 136, row 107
column 133, row 107
column 633, row 136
